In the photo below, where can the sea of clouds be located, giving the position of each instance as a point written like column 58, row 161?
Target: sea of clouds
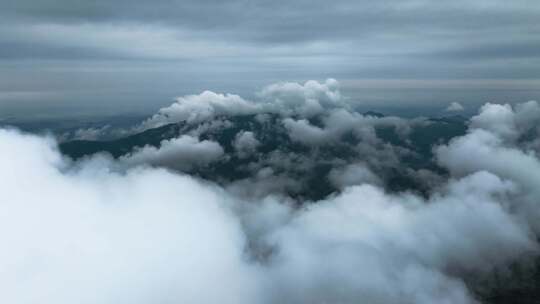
column 137, row 230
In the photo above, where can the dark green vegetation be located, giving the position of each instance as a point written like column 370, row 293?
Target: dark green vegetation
column 66, row 127
column 394, row 157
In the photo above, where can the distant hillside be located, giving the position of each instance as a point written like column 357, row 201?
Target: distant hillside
column 274, row 141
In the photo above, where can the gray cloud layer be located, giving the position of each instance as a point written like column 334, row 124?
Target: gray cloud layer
column 136, row 52
column 275, row 23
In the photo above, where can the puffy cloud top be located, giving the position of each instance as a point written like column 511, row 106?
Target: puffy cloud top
column 287, row 99
column 507, row 122
column 181, row 153
column 454, row 107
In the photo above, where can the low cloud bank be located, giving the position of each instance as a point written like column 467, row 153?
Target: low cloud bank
column 182, row 153
column 96, row 231
column 286, row 98
column 455, row 107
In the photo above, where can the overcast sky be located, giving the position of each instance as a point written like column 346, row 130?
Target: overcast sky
column 73, row 57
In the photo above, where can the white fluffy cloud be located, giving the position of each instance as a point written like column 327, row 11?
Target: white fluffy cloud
column 287, row 98
column 82, row 232
column 92, row 236
column 455, row 107
column 353, row 174
column 245, row 143
column 367, row 246
column 197, row 108
column 302, row 131
column 507, row 122
column 296, row 103
column 182, row 153
column 311, row 98
column 492, row 145
column 336, row 122
column 498, row 119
